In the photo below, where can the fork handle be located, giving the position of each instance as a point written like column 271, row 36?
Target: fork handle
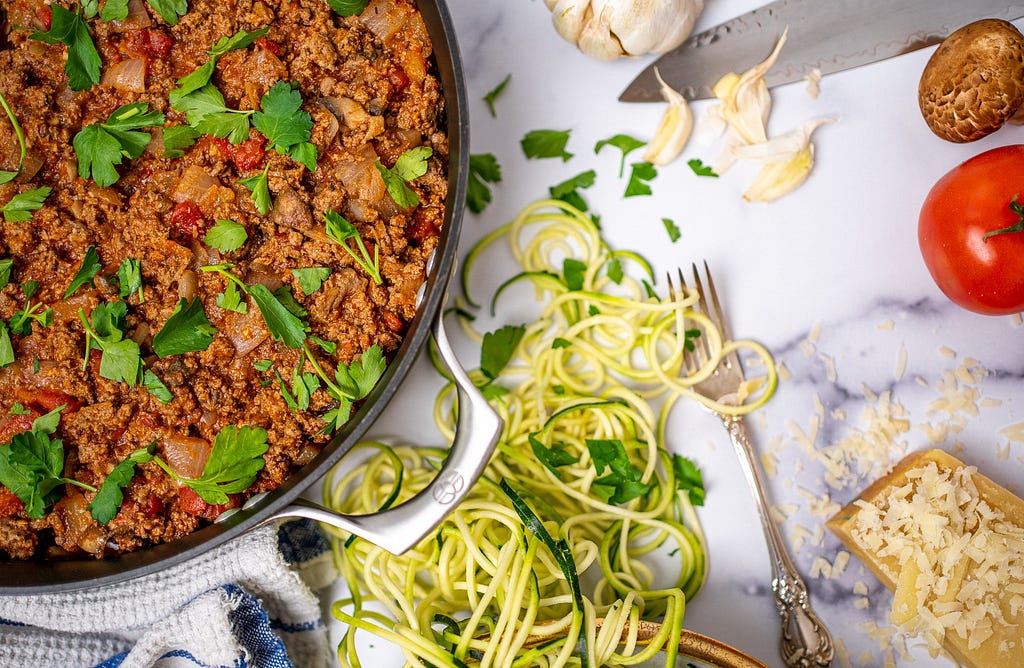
column 805, row 642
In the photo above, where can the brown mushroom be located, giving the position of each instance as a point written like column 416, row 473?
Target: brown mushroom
column 974, row 82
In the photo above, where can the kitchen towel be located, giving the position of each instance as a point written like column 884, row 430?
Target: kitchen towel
column 246, row 604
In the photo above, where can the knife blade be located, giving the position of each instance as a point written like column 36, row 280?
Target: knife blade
column 831, row 35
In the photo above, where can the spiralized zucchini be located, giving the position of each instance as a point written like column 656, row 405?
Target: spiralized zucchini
column 550, row 561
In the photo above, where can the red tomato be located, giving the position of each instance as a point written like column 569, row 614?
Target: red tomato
column 985, row 275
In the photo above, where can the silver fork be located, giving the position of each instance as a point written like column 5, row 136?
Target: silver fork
column 805, row 642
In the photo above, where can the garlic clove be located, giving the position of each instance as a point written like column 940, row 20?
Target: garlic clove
column 746, row 101
column 608, row 29
column 778, row 178
column 782, row 148
column 674, row 129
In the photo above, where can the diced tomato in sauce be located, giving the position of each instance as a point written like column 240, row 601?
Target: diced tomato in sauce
column 16, row 424
column 398, row 78
column 159, row 43
column 187, row 219
column 269, row 45
column 193, row 504
column 45, row 16
column 146, row 43
column 421, row 230
column 10, row 504
column 246, row 156
column 45, row 400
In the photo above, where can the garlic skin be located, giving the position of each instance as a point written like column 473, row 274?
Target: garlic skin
column 788, row 160
column 609, row 29
column 674, row 130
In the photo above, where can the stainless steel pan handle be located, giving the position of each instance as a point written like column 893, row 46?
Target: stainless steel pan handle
column 401, row 527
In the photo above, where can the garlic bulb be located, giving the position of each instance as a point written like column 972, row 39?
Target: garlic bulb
column 608, row 29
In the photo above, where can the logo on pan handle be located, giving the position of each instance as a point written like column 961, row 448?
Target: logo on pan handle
column 448, row 486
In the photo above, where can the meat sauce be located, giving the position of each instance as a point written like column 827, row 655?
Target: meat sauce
column 370, row 89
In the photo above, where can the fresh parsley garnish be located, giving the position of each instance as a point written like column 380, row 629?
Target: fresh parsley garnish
column 614, row 270
column 282, row 324
column 5, row 175
column 624, row 143
column 129, row 278
column 187, row 330
column 19, row 208
column 559, row 342
column 700, row 169
column 303, row 386
column 86, row 272
column 231, row 299
column 156, row 387
column 235, row 460
column 6, row 347
column 638, row 177
column 169, row 10
column 114, row 10
column 348, row 7
column 497, row 349
column 341, row 231
column 410, row 165
column 83, row 63
column 21, row 321
column 672, row 229
column 493, row 94
column 689, row 479
column 208, row 113
column 18, row 409
column 100, row 147
column 555, row 456
column 263, row 365
column 546, row 144
column 110, row 496
column 622, row 483
column 311, row 278
column 574, row 272
column 483, row 169
column 105, row 331
column 226, row 235
column 202, row 74
column 32, row 465
column 6, row 266
column 285, row 125
column 259, row 190
column 568, row 190
column 352, row 382
column 177, row 138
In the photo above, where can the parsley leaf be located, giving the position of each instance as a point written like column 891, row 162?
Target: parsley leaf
column 90, row 265
column 129, row 278
column 156, row 387
column 104, row 331
column 574, row 272
column 283, row 325
column 101, row 146
column 187, row 330
column 226, row 235
column 21, row 321
column 559, row 342
column 108, row 500
column 6, row 265
column 169, row 10
column 83, row 63
column 672, row 229
column 410, row 165
column 284, row 124
column 208, row 114
column 18, row 209
column 624, row 143
column 114, row 10
column 553, row 457
column 700, row 169
column 358, row 378
column 31, row 466
column 262, row 365
column 689, row 479
column 234, row 461
column 341, row 231
column 498, row 347
column 614, row 270
column 483, row 169
column 348, row 7
column 311, row 278
column 6, row 347
column 622, row 483
column 493, row 94
column 567, row 191
column 642, row 172
column 546, row 144
column 18, row 409
column 259, row 190
column 8, row 176
column 231, row 299
column 177, row 138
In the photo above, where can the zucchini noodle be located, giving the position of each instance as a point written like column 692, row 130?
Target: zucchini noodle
column 542, row 565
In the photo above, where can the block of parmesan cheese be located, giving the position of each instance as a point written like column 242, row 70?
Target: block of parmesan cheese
column 949, row 542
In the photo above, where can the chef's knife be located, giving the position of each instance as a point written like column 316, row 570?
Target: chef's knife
column 830, row 35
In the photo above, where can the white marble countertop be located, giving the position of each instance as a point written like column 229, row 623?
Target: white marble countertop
column 830, row 278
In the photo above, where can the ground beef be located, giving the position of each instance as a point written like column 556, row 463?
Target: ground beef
column 371, row 89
